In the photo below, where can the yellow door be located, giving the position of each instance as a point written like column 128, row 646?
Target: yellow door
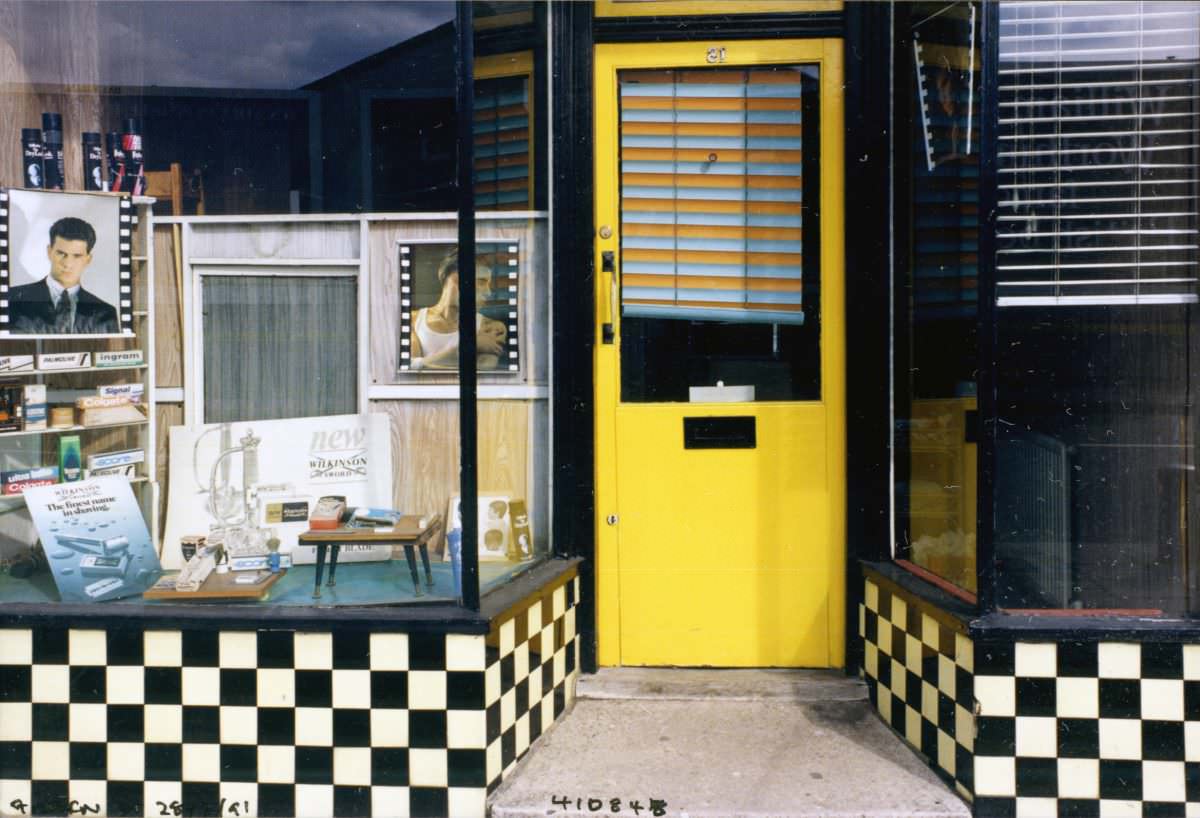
column 720, row 397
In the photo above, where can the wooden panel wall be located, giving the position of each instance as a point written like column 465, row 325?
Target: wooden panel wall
column 168, row 337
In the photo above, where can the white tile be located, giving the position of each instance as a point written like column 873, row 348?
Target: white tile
column 242, row 792
column 871, row 597
column 202, row 762
column 239, row 725
column 238, row 649
column 535, row 687
column 491, row 684
column 569, row 631
column 947, row 675
column 92, row 793
column 884, row 697
column 389, row 728
column 1037, row 736
column 465, row 652
column 1191, row 740
column 912, row 726
column 1163, row 781
column 534, row 619
column 521, row 731
column 1077, row 698
column 964, row 652
column 560, row 666
column 314, row 801
column 466, row 801
column 521, row 662
column 389, row 651
column 996, row 775
column 465, row 729
column 1118, row 660
column 862, row 622
column 945, row 752
column 1191, row 662
column 1193, row 809
column 426, row 690
column 391, row 801
column 1162, row 699
column 125, row 684
column 166, row 791
column 912, row 654
column 16, row 723
column 1120, row 809
column 16, row 648
column 1078, row 778
column 929, row 702
column 494, row 757
column 508, row 710
column 51, row 760
column 427, row 768
column 276, row 687
column 352, row 688
column 11, row 791
column 899, row 616
column 126, row 761
column 559, row 601
column 312, row 651
column 88, row 722
column 997, row 695
column 1036, row 807
column 163, row 723
column 86, row 647
column 871, row 660
column 964, row 727
column 201, row 685
column 314, row 726
column 883, row 637
column 1038, row 659
column 1121, row 738
column 930, row 631
column 352, row 766
column 508, row 635
column 51, row 684
column 899, row 680
column 163, row 648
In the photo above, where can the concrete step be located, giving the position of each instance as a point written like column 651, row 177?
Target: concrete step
column 734, row 744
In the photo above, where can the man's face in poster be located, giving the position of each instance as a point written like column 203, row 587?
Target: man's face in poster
column 68, row 259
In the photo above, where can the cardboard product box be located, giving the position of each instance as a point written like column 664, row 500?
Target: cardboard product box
column 99, row 411
column 128, row 357
column 109, row 460
column 15, row 482
column 70, row 458
column 134, row 391
column 12, row 406
column 129, row 470
column 64, row 360
column 35, row 406
column 16, row 363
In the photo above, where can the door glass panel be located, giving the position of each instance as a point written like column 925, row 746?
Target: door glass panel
column 719, row 233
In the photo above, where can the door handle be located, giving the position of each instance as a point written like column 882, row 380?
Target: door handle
column 608, row 265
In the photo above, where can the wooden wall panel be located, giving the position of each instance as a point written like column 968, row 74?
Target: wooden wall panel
column 274, row 240
column 168, row 338
column 167, row 415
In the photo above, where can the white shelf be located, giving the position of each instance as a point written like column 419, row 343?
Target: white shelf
column 61, row 429
column 28, row 373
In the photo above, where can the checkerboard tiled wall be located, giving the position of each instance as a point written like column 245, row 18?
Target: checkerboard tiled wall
column 278, row 722
column 917, row 663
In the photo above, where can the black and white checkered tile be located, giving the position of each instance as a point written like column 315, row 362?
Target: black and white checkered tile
column 276, row 723
column 1086, row 728
column 917, row 663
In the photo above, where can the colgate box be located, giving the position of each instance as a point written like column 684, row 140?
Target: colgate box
column 15, row 482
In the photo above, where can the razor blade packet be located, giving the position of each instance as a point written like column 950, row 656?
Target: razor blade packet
column 121, row 464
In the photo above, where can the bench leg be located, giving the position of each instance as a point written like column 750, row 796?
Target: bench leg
column 412, row 567
column 320, row 570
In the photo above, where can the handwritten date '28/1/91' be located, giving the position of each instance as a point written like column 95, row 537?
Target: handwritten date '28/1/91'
column 236, row 809
column 611, row 806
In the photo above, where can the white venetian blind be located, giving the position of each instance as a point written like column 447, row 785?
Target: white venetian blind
column 1098, row 136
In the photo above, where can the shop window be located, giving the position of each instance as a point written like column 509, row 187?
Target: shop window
column 936, row 101
column 1095, row 320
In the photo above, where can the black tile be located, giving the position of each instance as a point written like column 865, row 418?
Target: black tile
column 929, row 664
column 427, row 728
column 51, row 722
column 164, row 762
column 570, row 588
column 125, row 798
column 899, row 716
column 163, row 685
column 493, row 722
column 946, row 716
column 1078, row 807
column 964, row 766
column 1036, row 697
column 88, row 684
column 987, row 807
column 16, row 760
column 929, row 739
column 522, row 694
column 560, row 700
column 200, row 799
column 1078, row 659
column 899, row 645
column 1191, row 774
column 884, row 667
column 535, row 722
column 389, row 689
column 464, row 690
column 521, row 628
column 126, row 722
column 1162, row 740
column 276, row 649
column 1162, row 660
column 1120, row 698
column 995, row 659
column 912, row 618
column 201, row 648
column 239, row 687
column 507, row 673
column 1163, row 809
column 885, row 605
column 964, row 688
column 16, row 683
column 351, row 728
column 389, row 766
column 276, row 801
column 276, row 725
column 995, row 736
column 89, row 760
column 570, row 657
column 560, row 633
column 314, row 765
column 125, row 647
column 491, row 653
column 1078, row 738
column 871, row 628
column 947, row 643
column 51, row 646
column 1191, row 700
column 426, row 651
column 429, row 802
column 201, row 725
column 352, row 650
column 912, row 690
column 239, row 762
column 547, row 676
column 48, row 798
column 468, row 768
column 1121, row 780
column 1037, row 778
column 314, row 688
column 508, row 747
column 351, row 802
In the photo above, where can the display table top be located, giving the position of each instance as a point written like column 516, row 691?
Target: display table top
column 408, row 529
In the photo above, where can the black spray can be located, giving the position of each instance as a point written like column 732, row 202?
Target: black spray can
column 52, row 161
column 93, row 161
column 116, row 162
column 32, row 150
column 135, row 170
